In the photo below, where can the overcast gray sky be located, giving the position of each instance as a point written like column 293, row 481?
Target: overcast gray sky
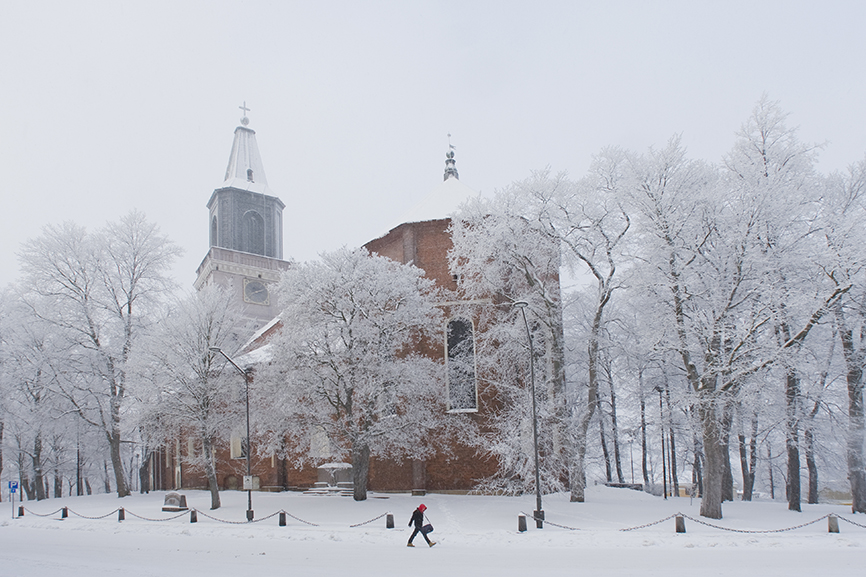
column 111, row 106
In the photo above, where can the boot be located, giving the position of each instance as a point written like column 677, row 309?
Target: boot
column 409, row 545
column 432, row 543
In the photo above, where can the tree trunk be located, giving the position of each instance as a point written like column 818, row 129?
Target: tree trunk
column 697, row 477
column 114, row 448
column 792, row 438
column 210, row 472
column 38, row 473
column 643, row 446
column 675, row 482
column 360, row 469
column 856, row 414
column 811, row 465
column 711, row 500
column 617, row 459
column 143, row 476
column 605, row 452
column 749, row 458
column 577, row 475
column 672, row 446
column 727, row 473
column 58, row 483
column 106, row 480
column 23, row 477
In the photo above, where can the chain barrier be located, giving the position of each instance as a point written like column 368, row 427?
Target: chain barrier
column 566, row 527
column 46, row 515
column 179, row 515
column 368, row 522
column 755, row 530
column 299, row 519
column 852, row 522
column 94, row 518
column 203, row 514
column 266, row 518
column 650, row 524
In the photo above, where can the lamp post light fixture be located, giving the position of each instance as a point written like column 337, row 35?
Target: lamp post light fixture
column 248, row 480
column 539, row 512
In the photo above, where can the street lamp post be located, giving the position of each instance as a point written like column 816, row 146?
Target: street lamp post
column 248, row 480
column 539, row 512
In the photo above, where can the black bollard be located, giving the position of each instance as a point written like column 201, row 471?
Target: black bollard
column 389, row 521
column 121, row 514
column 64, row 513
column 833, row 524
column 282, row 518
column 21, row 511
column 193, row 516
column 681, row 524
column 521, row 523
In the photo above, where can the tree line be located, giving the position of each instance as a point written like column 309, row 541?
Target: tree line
column 731, row 293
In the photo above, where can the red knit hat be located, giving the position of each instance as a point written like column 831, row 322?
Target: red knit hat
column 422, row 507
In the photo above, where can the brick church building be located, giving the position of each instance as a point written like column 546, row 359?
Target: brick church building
column 246, row 254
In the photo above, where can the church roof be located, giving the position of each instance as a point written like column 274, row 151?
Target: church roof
column 442, row 201
column 245, row 170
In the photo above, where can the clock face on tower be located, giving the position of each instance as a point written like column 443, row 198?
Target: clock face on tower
column 256, row 292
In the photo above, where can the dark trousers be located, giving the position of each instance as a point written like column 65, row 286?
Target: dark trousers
column 423, row 534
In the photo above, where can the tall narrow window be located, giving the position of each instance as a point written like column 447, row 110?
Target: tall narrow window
column 213, row 232
column 460, row 355
column 253, row 239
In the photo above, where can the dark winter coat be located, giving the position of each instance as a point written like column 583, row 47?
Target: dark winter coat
column 417, row 518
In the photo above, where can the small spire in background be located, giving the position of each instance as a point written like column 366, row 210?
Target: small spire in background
column 450, row 163
column 245, row 121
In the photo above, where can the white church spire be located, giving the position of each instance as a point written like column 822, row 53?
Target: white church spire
column 245, row 169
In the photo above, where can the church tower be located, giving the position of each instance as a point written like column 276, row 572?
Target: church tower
column 245, row 224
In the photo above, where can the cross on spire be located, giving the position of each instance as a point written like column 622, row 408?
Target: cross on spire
column 245, row 120
column 450, row 164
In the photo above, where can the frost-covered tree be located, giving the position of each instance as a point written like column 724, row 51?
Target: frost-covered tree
column 501, row 253
column 843, row 230
column 344, row 377
column 193, row 399
column 772, row 170
column 96, row 289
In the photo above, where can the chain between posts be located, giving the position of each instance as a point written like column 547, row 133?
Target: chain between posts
column 756, row 530
column 94, row 518
column 299, row 519
column 367, row 522
column 46, row 515
column 650, row 524
column 546, row 522
column 852, row 522
column 178, row 516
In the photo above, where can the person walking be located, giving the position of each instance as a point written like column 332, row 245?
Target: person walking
column 418, row 520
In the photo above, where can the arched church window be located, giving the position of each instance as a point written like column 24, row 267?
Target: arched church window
column 214, row 239
column 250, row 174
column 460, row 360
column 253, row 238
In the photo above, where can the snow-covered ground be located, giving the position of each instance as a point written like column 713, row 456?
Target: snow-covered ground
column 476, row 535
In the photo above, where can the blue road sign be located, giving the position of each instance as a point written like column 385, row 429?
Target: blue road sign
column 13, row 486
